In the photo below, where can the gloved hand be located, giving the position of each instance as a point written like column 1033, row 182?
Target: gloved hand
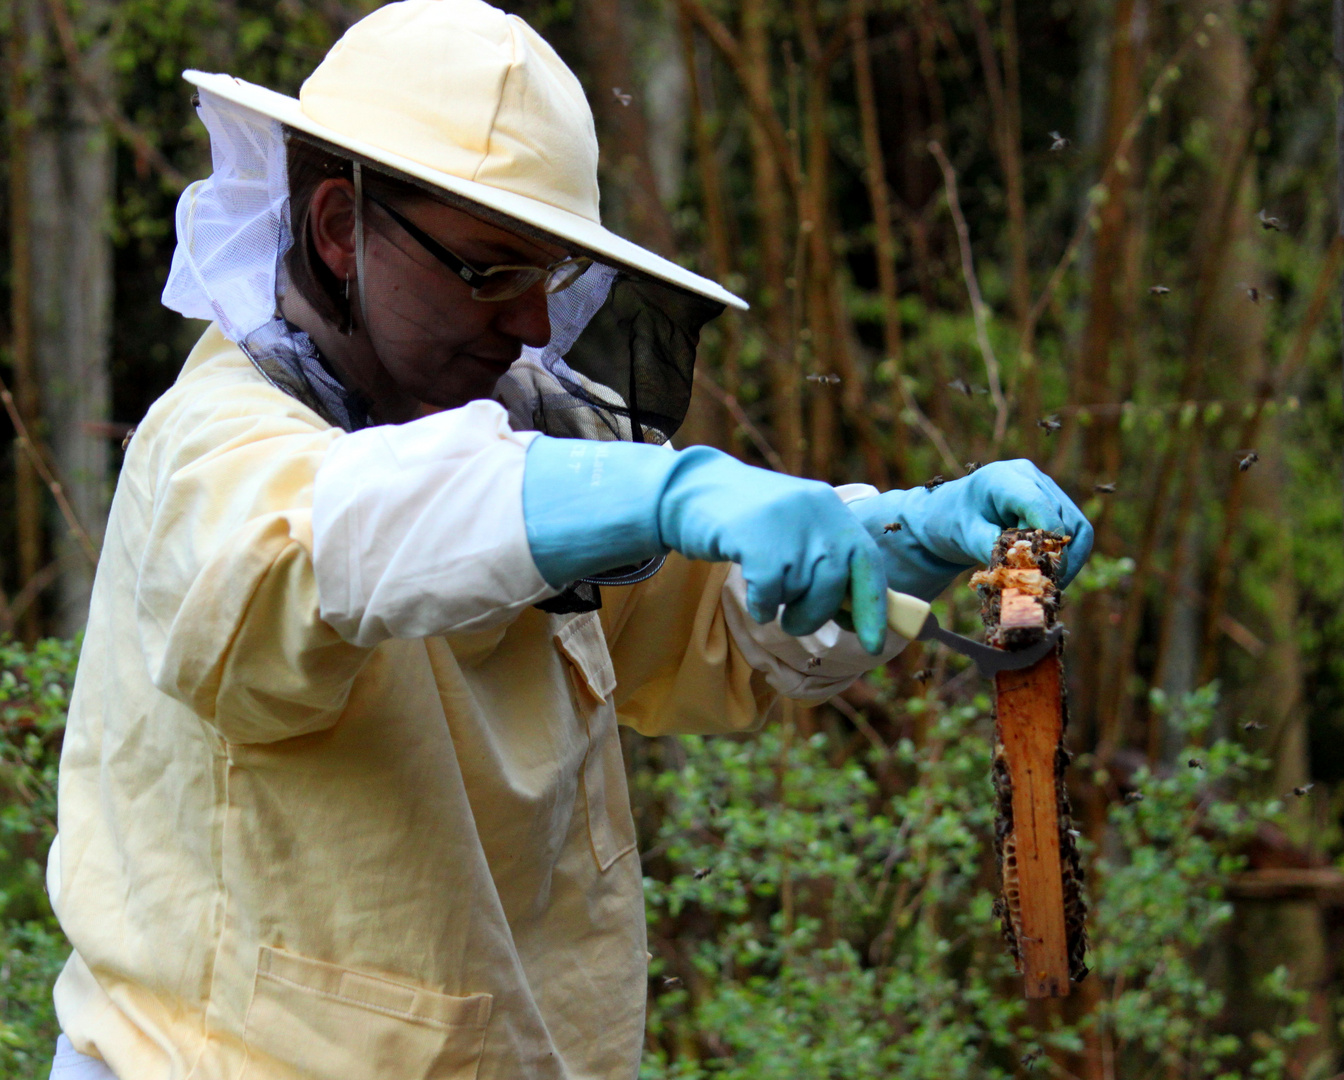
column 956, row 525
column 594, row 506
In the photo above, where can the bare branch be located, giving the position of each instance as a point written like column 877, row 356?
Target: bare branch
column 979, row 309
column 729, row 402
column 48, row 475
column 761, row 110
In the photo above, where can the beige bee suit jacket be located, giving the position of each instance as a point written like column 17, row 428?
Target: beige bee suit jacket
column 313, row 825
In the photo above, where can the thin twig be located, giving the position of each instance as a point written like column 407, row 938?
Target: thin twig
column 845, row 709
column 1164, row 78
column 729, row 402
column 928, row 427
column 48, row 475
column 761, row 109
column 14, row 609
column 979, row 309
column 134, row 136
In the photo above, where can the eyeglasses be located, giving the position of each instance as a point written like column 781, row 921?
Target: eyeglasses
column 498, row 282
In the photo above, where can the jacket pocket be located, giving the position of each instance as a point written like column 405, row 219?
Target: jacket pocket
column 332, row 1023
column 611, row 828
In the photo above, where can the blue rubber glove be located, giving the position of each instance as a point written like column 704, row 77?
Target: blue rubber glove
column 594, row 506
column 956, row 525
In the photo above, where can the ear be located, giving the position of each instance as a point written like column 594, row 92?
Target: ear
column 331, row 223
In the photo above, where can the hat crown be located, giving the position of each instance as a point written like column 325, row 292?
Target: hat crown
column 464, row 88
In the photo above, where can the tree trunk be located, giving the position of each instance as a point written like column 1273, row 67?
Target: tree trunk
column 28, row 506
column 70, row 161
column 631, row 187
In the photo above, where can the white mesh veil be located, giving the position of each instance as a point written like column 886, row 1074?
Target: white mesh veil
column 233, row 228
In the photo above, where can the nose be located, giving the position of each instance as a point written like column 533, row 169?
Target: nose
column 526, row 318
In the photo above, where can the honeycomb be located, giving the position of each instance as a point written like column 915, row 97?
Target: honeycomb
column 1030, row 560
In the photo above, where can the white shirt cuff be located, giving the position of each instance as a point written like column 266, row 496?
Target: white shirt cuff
column 418, row 528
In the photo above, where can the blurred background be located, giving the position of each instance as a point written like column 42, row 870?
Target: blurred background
column 1103, row 235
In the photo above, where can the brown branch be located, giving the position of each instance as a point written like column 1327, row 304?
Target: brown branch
column 875, row 177
column 1118, row 160
column 130, row 133
column 48, row 474
column 1268, row 388
column 14, row 610
column 1229, row 184
column 759, row 104
column 979, row 309
column 729, row 402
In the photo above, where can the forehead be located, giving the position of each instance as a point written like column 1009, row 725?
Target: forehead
column 451, row 225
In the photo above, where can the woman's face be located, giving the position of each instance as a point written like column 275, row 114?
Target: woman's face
column 425, row 343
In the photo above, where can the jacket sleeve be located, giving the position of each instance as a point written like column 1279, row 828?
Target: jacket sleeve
column 226, row 599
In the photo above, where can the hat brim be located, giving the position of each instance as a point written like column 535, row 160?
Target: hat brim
column 513, row 211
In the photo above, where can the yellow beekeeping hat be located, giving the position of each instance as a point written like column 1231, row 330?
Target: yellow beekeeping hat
column 472, row 102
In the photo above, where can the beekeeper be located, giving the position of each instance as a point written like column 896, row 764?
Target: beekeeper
column 342, row 794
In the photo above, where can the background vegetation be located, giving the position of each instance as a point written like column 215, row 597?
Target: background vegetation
column 1102, row 235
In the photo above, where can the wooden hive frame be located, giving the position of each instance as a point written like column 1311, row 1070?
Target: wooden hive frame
column 1041, row 904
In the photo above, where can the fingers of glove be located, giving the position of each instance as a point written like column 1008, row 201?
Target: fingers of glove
column 1078, row 550
column 812, row 608
column 868, row 594
column 765, row 593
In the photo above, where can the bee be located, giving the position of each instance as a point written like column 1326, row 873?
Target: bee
column 1301, row 791
column 127, row 441
column 813, row 662
column 1058, row 142
column 971, row 466
column 936, row 482
column 892, row 526
column 1254, row 295
column 623, row 98
column 1195, row 763
column 1104, row 489
column 1132, row 797
column 923, row 675
column 1250, row 459
column 1051, row 424
column 1253, row 725
column 1030, row 1058
column 960, row 385
column 829, row 379
column 1269, row 223
column 1158, row 290
column 703, row 873
column 671, row 982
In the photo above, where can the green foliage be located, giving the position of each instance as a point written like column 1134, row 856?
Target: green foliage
column 34, row 694
column 823, row 913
